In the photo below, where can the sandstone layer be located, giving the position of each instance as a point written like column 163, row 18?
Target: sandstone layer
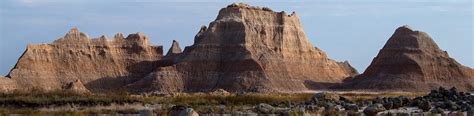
column 174, row 49
column 412, row 61
column 101, row 64
column 76, row 87
column 244, row 49
column 248, row 49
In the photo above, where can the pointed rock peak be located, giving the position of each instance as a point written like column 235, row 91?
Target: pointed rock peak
column 203, row 28
column 119, row 36
column 405, row 26
column 174, row 49
column 404, row 29
column 141, row 34
column 73, row 30
column 74, row 33
column 200, row 34
column 103, row 37
column 76, row 86
column 405, row 37
column 74, row 36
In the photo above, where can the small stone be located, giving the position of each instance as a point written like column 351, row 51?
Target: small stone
column 264, row 108
column 372, row 110
column 425, row 106
column 188, row 112
column 437, row 111
column 351, row 107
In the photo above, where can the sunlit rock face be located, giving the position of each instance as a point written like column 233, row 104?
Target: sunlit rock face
column 245, row 48
column 249, row 49
column 102, row 64
column 411, row 61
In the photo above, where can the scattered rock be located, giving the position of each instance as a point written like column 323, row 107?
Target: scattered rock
column 76, row 87
column 188, row 112
column 176, row 110
column 425, row 105
column 264, row 108
column 220, row 92
column 351, row 107
column 437, row 111
column 373, row 109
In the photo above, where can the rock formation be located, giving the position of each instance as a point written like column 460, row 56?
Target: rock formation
column 245, row 49
column 76, row 87
column 174, row 49
column 411, row 61
column 248, row 49
column 101, row 64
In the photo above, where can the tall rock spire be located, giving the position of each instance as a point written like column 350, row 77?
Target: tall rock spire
column 174, row 49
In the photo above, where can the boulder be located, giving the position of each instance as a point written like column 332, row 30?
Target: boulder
column 264, row 108
column 424, row 105
column 188, row 112
column 76, row 87
column 373, row 109
column 176, row 110
column 351, row 107
column 437, row 111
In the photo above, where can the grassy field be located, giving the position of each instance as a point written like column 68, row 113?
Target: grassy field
column 34, row 102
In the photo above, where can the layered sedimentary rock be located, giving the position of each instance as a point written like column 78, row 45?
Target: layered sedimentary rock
column 249, row 49
column 76, row 86
column 411, row 61
column 244, row 49
column 174, row 49
column 100, row 64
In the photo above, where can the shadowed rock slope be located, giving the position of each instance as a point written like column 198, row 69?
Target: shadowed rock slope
column 101, row 64
column 411, row 61
column 248, row 49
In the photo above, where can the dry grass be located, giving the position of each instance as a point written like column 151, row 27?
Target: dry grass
column 357, row 97
column 245, row 99
column 30, row 102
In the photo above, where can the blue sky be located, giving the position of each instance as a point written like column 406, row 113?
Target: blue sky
column 345, row 30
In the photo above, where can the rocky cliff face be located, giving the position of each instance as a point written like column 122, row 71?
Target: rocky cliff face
column 249, row 49
column 101, row 64
column 244, row 49
column 411, row 61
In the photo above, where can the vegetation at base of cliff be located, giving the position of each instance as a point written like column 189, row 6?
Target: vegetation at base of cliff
column 61, row 98
column 36, row 99
column 61, row 102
